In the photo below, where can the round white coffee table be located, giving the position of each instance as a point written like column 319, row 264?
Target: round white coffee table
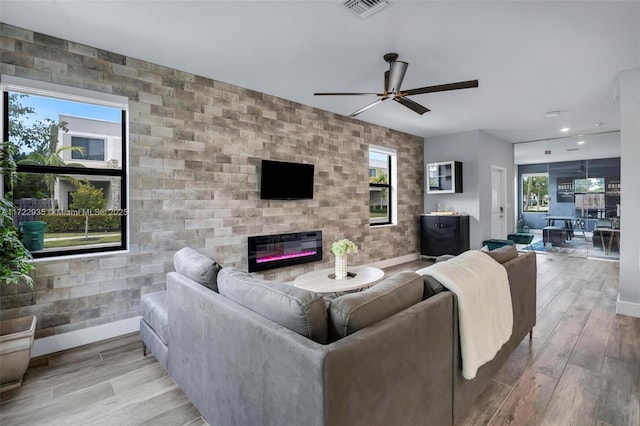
column 321, row 281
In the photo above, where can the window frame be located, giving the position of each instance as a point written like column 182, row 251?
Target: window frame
column 390, row 185
column 11, row 84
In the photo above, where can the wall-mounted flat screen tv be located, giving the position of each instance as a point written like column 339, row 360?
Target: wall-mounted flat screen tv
column 280, row 180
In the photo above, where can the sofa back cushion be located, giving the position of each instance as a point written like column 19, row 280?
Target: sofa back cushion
column 297, row 309
column 503, row 254
column 354, row 311
column 431, row 286
column 196, row 267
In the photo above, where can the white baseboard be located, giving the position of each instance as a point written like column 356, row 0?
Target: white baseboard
column 73, row 339
column 395, row 261
column 627, row 308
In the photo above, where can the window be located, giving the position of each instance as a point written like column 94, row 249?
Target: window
column 382, row 197
column 91, row 149
column 535, row 192
column 65, row 204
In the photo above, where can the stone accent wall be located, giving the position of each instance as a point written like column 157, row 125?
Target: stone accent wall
column 194, row 148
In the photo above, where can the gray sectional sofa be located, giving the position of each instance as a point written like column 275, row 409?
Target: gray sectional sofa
column 253, row 352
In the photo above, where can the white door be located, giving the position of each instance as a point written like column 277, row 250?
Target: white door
column 498, row 202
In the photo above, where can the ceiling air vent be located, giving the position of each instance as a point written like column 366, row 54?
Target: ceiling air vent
column 364, row 8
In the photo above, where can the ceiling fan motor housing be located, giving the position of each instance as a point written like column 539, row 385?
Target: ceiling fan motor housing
column 396, row 75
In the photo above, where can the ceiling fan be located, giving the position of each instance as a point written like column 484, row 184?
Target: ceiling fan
column 392, row 82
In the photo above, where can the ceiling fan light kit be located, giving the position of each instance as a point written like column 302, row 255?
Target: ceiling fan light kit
column 391, row 88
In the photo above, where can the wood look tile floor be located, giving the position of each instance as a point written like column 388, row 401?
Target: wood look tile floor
column 582, row 368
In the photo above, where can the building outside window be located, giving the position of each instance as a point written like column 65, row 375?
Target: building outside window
column 70, row 150
column 382, row 197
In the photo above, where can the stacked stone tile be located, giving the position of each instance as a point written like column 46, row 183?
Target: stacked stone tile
column 195, row 145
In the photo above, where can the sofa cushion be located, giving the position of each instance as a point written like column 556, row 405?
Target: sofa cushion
column 197, row 267
column 354, row 311
column 431, row 286
column 503, row 254
column 153, row 307
column 297, row 309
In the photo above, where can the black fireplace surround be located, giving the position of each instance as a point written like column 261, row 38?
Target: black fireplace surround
column 279, row 250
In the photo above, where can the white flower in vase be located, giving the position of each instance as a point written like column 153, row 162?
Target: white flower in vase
column 341, row 249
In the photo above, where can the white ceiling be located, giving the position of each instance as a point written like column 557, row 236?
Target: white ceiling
column 571, row 148
column 530, row 57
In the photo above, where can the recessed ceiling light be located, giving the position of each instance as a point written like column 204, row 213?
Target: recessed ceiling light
column 552, row 114
column 580, row 142
column 565, row 129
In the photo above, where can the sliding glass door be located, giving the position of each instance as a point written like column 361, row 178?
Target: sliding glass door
column 569, row 193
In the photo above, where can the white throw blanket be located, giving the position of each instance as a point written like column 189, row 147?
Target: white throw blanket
column 484, row 305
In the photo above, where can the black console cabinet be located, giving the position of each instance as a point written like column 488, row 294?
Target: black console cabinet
column 443, row 234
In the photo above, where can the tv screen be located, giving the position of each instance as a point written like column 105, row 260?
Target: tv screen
column 280, row 180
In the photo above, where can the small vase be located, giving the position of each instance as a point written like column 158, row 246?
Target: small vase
column 341, row 267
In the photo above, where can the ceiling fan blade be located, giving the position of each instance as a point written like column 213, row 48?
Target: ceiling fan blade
column 363, row 109
column 441, row 88
column 348, row 94
column 396, row 75
column 414, row 106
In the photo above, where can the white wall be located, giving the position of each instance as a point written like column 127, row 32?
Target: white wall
column 494, row 152
column 629, row 288
column 478, row 151
column 461, row 147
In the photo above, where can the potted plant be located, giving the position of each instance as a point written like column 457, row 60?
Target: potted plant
column 341, row 249
column 16, row 335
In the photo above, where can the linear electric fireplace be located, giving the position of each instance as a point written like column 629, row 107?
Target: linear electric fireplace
column 275, row 251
